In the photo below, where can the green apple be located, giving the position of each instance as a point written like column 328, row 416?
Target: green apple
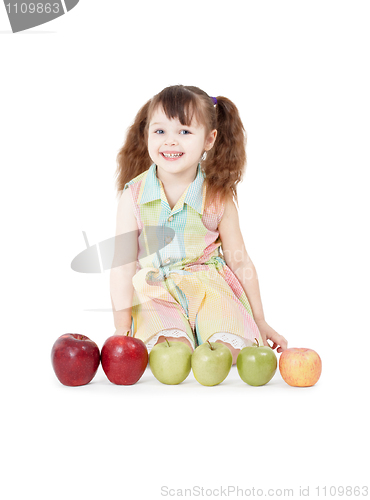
column 170, row 362
column 211, row 363
column 256, row 364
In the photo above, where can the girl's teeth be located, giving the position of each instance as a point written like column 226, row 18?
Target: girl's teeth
column 172, row 155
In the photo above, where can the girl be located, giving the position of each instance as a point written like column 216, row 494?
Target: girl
column 188, row 277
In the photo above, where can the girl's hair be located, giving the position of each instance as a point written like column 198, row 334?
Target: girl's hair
column 225, row 162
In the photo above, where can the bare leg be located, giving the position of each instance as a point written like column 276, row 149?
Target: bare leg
column 174, row 339
column 234, row 342
column 234, row 351
column 172, row 335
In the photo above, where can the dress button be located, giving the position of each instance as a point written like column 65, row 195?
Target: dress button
column 168, row 239
column 170, row 218
column 166, row 261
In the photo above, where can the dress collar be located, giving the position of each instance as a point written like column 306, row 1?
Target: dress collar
column 153, row 190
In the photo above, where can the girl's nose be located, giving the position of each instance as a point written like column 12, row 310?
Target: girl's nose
column 170, row 141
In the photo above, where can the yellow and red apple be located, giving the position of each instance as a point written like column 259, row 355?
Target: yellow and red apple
column 300, row 367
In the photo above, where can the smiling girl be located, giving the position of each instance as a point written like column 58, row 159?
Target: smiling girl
column 194, row 281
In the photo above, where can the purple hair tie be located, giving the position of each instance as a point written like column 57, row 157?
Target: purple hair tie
column 214, row 99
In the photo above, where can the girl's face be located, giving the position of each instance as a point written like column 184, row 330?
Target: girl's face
column 177, row 148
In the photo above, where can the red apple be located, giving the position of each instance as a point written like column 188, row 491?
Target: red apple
column 300, row 367
column 75, row 359
column 124, row 359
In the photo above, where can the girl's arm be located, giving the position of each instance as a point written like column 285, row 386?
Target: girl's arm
column 121, row 288
column 238, row 260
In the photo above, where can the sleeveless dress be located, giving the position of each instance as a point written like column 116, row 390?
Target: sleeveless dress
column 182, row 280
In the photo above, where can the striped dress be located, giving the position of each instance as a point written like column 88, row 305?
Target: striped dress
column 182, row 280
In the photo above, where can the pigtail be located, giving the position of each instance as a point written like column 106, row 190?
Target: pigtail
column 225, row 163
column 133, row 158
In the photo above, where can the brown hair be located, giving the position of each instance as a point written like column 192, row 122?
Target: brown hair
column 225, row 162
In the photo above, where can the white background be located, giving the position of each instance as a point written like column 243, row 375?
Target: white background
column 299, row 74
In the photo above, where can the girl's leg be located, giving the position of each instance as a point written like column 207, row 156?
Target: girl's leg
column 172, row 335
column 233, row 342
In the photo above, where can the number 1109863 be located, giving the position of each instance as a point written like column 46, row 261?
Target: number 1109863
column 34, row 8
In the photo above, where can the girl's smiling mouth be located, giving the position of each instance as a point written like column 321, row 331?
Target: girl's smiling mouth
column 168, row 155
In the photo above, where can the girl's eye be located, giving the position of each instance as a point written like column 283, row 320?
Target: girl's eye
column 183, row 132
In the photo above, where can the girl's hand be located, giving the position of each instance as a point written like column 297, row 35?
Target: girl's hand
column 122, row 330
column 269, row 333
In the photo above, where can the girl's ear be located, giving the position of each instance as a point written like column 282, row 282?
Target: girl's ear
column 210, row 140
